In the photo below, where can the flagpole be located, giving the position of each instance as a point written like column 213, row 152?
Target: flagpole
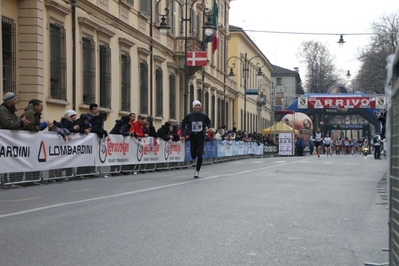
column 185, row 17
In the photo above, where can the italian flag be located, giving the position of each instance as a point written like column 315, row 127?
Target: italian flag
column 215, row 36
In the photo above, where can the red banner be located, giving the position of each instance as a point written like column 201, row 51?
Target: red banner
column 198, row 58
column 341, row 102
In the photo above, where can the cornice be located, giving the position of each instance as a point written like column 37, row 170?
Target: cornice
column 57, row 7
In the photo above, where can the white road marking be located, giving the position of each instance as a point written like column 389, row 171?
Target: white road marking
column 138, row 191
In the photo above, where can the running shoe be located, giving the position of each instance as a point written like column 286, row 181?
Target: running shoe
column 196, row 174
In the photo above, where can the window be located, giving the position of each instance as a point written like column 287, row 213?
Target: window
column 222, row 111
column 172, row 96
column 171, row 18
column 213, row 108
column 199, row 95
column 57, row 62
column 206, row 100
column 130, row 1
column 105, row 76
column 9, row 57
column 159, row 92
column 227, row 113
column 143, row 87
column 279, row 81
column 125, row 82
column 191, row 92
column 88, row 69
column 219, row 112
column 145, row 7
column 242, row 119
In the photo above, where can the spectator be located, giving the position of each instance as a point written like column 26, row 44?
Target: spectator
column 220, row 134
column 165, row 132
column 152, row 130
column 97, row 124
column 177, row 129
column 33, row 113
column 229, row 135
column 146, row 128
column 210, row 134
column 68, row 119
column 83, row 123
column 138, row 127
column 59, row 128
column 8, row 117
column 122, row 127
column 132, row 117
column 93, row 111
column 300, row 145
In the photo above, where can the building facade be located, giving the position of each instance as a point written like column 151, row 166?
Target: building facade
column 252, row 113
column 70, row 54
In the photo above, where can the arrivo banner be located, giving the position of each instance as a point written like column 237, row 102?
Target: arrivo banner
column 341, row 102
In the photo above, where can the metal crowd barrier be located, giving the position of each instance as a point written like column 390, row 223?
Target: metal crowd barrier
column 53, row 175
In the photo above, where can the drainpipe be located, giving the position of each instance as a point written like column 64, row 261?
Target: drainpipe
column 151, row 61
column 73, row 8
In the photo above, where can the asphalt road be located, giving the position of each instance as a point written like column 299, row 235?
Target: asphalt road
column 272, row 211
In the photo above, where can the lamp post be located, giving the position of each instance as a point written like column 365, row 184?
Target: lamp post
column 262, row 100
column 245, row 63
column 185, row 17
column 273, row 100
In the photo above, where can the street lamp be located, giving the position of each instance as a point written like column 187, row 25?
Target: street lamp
column 163, row 27
column 262, row 100
column 245, row 63
column 341, row 41
column 282, row 89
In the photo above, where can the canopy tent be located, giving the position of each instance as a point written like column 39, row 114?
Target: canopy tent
column 279, row 127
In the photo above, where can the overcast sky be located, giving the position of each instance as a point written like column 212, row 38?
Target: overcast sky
column 309, row 16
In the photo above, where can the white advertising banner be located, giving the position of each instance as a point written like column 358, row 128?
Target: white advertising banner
column 120, row 150
column 23, row 151
column 285, row 141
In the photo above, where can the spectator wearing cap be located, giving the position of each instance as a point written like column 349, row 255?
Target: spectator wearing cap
column 68, row 119
column 229, row 135
column 97, row 124
column 152, row 130
column 138, row 127
column 83, row 123
column 33, row 113
column 8, row 116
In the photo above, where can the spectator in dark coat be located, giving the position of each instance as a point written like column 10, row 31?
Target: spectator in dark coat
column 122, row 127
column 83, row 123
column 8, row 116
column 166, row 133
column 152, row 130
column 68, row 119
column 97, row 124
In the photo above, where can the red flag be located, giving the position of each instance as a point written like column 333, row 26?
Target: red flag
column 198, row 58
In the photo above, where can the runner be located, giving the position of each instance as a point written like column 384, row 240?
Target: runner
column 327, row 144
column 317, row 142
column 193, row 127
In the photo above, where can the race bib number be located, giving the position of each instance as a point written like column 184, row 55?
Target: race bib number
column 196, row 126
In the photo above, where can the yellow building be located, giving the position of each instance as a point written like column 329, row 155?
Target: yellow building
column 252, row 71
column 111, row 52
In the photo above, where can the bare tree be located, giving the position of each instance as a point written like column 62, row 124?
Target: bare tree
column 321, row 73
column 384, row 41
